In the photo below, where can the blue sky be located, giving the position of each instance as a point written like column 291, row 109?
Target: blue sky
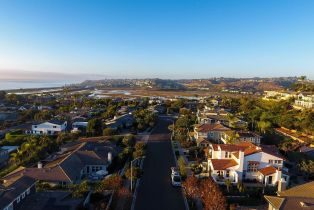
column 159, row 38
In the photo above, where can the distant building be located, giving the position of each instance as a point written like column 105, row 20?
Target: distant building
column 278, row 95
column 8, row 116
column 241, row 136
column 124, row 121
column 305, row 101
column 4, row 157
column 210, row 131
column 52, row 127
column 79, row 127
column 202, row 142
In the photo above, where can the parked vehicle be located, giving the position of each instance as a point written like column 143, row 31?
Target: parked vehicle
column 175, row 171
column 98, row 175
column 175, row 180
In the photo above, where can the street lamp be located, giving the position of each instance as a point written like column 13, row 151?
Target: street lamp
column 132, row 171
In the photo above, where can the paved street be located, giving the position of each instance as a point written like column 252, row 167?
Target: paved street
column 155, row 191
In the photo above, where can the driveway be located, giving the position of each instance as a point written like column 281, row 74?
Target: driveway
column 155, row 191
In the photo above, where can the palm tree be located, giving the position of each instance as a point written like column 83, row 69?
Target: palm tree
column 228, row 184
column 232, row 119
column 264, row 126
column 302, row 78
column 14, row 158
column 233, row 138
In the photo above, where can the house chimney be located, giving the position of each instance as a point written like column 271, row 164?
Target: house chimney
column 39, row 165
column 109, row 157
column 282, row 185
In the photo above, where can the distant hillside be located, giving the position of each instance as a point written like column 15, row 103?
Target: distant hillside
column 248, row 84
column 131, row 83
column 214, row 84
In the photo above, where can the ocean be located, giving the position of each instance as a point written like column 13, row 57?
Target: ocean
column 9, row 85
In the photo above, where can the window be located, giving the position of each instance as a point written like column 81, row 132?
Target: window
column 220, row 173
column 35, row 126
column 270, row 161
column 227, row 173
column 279, row 161
column 23, row 195
column 18, row 199
column 227, row 154
column 28, row 191
column 252, row 167
column 54, row 126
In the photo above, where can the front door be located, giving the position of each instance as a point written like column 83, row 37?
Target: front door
column 270, row 180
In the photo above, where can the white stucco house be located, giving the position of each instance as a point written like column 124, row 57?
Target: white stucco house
column 305, row 101
column 50, row 127
column 246, row 161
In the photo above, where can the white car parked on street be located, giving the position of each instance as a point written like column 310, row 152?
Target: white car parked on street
column 175, row 177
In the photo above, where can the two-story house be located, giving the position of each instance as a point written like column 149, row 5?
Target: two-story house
column 210, row 131
column 246, row 161
column 52, row 127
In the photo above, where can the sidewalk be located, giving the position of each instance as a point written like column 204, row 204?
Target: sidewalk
column 122, row 202
column 181, row 153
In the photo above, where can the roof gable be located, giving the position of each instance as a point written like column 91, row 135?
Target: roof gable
column 222, row 164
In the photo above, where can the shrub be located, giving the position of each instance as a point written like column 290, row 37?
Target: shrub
column 108, row 132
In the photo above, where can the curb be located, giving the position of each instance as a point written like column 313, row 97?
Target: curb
column 136, row 187
column 176, row 161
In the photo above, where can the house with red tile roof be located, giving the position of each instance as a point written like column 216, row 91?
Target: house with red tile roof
column 246, row 161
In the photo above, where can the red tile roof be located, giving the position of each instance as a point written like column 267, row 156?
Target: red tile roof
column 248, row 148
column 268, row 170
column 211, row 127
column 222, row 164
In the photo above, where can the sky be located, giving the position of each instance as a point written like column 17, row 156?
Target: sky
column 169, row 39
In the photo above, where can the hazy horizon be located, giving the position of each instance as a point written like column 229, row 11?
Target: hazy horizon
column 33, row 76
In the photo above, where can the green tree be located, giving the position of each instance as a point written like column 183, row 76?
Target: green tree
column 108, row 132
column 307, row 167
column 2, row 95
column 114, row 182
column 128, row 140
column 80, row 190
column 182, row 166
column 233, row 138
column 94, row 127
column 136, row 173
column 264, row 126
